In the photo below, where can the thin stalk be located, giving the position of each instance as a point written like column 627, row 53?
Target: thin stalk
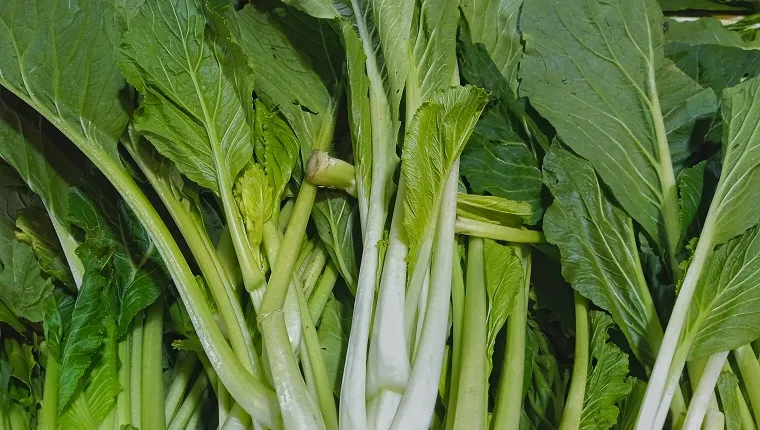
column 698, row 406
column 417, row 404
column 185, row 369
column 237, row 419
column 285, row 213
column 213, row 268
column 190, row 403
column 310, row 275
column 510, row 399
column 487, row 230
column 672, row 381
column 695, row 369
column 419, row 318
column 48, row 415
column 124, row 399
column 323, row 290
column 457, row 305
column 152, row 374
column 388, row 361
column 195, row 419
column 750, row 371
column 223, row 403
column 571, row 418
column 472, row 405
column 135, row 363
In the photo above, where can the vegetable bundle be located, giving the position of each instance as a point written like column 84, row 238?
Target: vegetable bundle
column 379, row 214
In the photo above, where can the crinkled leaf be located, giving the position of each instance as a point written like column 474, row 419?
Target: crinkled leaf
column 196, row 106
column 629, row 407
column 723, row 314
column 504, row 279
column 493, row 209
column 598, row 247
column 434, row 141
column 333, row 329
column 334, row 216
column 604, row 61
column 253, row 193
column 607, row 384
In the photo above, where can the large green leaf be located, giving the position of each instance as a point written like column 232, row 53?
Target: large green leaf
column 494, row 25
column 196, row 106
column 334, row 216
column 59, row 57
column 599, row 252
column 604, row 61
column 723, row 314
column 607, row 385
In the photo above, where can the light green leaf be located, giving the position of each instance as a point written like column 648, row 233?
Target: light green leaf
column 728, row 388
column 23, row 289
column 493, row 209
column 434, row 141
column 690, row 183
column 604, row 60
column 723, row 314
column 499, row 162
column 598, row 247
column 494, row 25
column 333, row 329
column 334, row 216
column 504, row 279
column 253, row 194
column 60, row 59
column 607, row 383
column 196, row 106
column 276, row 148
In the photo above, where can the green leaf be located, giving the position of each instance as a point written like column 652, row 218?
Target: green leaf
column 15, row 196
column 199, row 115
column 598, row 247
column 434, row 141
column 494, row 25
column 7, row 317
column 629, row 408
column 498, row 161
column 605, row 62
column 23, row 289
column 607, row 383
column 58, row 309
column 334, row 216
column 705, row 5
column 60, row 59
column 723, row 314
column 35, row 230
column 333, row 329
column 503, row 269
column 493, row 209
column 690, row 183
column 728, row 388
column 276, row 148
column 254, row 195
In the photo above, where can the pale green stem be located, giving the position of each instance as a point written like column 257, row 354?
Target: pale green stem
column 487, row 230
column 326, row 171
column 48, row 415
column 135, row 363
column 323, row 290
column 457, row 305
column 191, row 402
column 750, row 372
column 152, row 373
column 184, row 371
column 698, row 406
column 571, row 418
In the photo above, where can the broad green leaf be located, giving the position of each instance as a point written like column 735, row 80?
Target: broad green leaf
column 434, row 141
column 23, row 289
column 599, row 252
column 723, row 314
column 298, row 75
column 499, row 162
column 604, row 60
column 728, row 388
column 494, row 25
column 607, row 384
column 60, row 58
column 690, row 183
column 334, row 216
column 504, row 280
column 333, row 329
column 276, row 148
column 196, row 106
column 493, row 209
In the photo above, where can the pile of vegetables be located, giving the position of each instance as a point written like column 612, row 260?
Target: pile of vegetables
column 379, row 214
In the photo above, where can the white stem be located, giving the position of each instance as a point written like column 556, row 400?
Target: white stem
column 701, row 398
column 419, row 321
column 417, row 404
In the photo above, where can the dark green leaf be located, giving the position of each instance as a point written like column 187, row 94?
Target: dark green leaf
column 333, row 329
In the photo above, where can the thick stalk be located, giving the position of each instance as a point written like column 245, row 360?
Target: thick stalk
column 323, row 290
column 417, row 404
column 326, row 171
column 48, row 415
column 571, row 418
column 510, row 400
column 190, row 403
column 135, row 363
column 180, row 381
column 701, row 397
column 457, row 305
column 750, row 371
column 472, row 405
column 152, row 374
column 311, row 273
column 487, row 230
column 388, row 362
column 672, row 381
